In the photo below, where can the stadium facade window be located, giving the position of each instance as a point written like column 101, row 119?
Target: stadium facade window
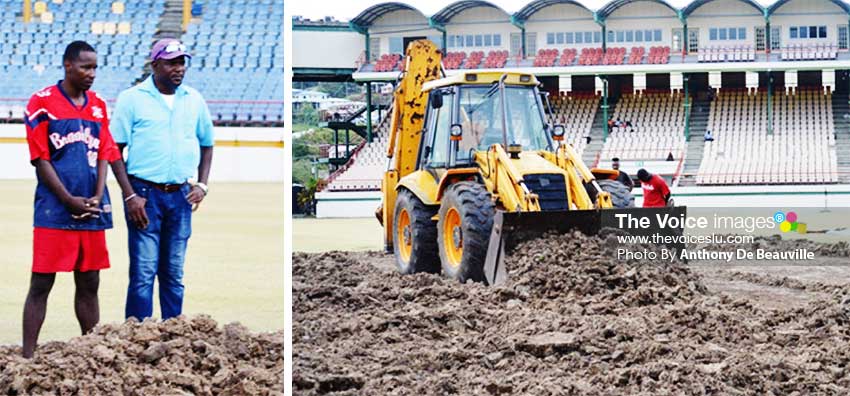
column 803, row 32
column 516, row 44
column 639, row 36
column 597, row 37
column 560, row 38
column 775, row 37
column 579, row 38
column 568, row 38
column 621, row 36
column 821, row 31
column 479, row 40
column 842, row 37
column 470, row 41
column 588, row 37
column 657, row 33
column 647, row 35
column 451, row 43
column 531, row 42
column 497, row 39
column 677, row 39
column 693, row 40
column 488, row 40
column 727, row 34
column 630, row 36
column 396, row 45
column 793, row 32
column 550, row 38
column 611, row 36
column 760, row 42
column 374, row 49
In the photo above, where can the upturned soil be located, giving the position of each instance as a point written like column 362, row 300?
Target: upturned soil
column 175, row 357
column 570, row 320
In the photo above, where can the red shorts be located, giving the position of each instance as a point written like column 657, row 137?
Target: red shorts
column 56, row 250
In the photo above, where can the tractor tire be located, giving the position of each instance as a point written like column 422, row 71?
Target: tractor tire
column 414, row 235
column 621, row 197
column 463, row 230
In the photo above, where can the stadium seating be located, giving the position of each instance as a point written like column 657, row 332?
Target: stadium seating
column 737, row 53
column 473, row 60
column 809, row 52
column 546, row 57
column 240, row 41
column 388, row 62
column 636, row 55
column 453, row 60
column 657, row 127
column 575, row 112
column 496, row 59
column 590, row 56
column 614, row 56
column 568, row 57
column 800, row 150
column 31, row 54
column 658, row 55
column 364, row 170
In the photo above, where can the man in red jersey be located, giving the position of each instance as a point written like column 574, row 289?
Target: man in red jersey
column 70, row 146
column 655, row 191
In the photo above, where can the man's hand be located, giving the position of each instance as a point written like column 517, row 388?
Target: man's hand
column 136, row 212
column 82, row 208
column 196, row 195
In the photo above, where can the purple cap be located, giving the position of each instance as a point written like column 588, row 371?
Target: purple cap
column 168, row 48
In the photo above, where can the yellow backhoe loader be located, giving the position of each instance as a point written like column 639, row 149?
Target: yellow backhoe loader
column 474, row 167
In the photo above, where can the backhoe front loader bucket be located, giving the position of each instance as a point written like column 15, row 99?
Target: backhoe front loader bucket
column 512, row 228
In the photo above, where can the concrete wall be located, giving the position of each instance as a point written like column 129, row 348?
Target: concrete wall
column 326, row 49
column 230, row 163
column 726, row 14
column 561, row 18
column 480, row 20
column 644, row 15
column 402, row 23
column 809, row 13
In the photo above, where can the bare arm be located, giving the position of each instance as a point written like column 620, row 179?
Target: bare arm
column 197, row 194
column 136, row 204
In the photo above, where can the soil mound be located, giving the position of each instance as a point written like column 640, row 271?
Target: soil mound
column 175, row 357
column 572, row 319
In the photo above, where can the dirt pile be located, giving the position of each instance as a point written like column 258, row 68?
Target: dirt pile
column 572, row 319
column 174, row 357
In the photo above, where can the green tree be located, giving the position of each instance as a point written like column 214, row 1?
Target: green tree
column 307, row 115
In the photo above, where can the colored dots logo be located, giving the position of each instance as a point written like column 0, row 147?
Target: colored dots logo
column 787, row 221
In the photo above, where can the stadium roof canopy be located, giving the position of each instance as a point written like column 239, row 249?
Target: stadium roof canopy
column 450, row 11
column 772, row 9
column 694, row 5
column 369, row 15
column 537, row 5
column 613, row 5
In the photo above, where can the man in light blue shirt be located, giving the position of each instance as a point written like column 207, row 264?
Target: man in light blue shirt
column 167, row 130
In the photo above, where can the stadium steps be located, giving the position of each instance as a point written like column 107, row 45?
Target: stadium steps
column 592, row 150
column 171, row 21
column 841, row 118
column 698, row 123
column 170, row 26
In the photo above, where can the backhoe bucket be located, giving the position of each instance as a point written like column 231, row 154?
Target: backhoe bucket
column 512, row 228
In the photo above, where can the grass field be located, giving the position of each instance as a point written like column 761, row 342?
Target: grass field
column 233, row 272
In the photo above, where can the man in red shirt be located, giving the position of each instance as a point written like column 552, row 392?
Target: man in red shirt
column 655, row 191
